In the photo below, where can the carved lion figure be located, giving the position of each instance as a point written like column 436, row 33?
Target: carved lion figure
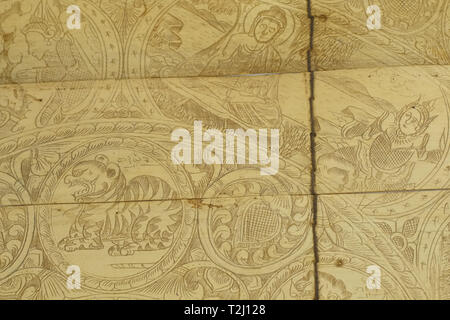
column 131, row 214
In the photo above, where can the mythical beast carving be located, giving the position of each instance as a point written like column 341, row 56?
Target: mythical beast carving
column 130, row 223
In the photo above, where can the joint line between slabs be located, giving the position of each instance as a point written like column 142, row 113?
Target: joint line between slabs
column 313, row 149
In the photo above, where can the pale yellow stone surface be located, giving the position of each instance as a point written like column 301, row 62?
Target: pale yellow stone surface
column 150, row 38
column 87, row 179
column 105, row 141
column 405, row 234
column 86, row 176
column 413, row 32
column 382, row 129
column 383, row 179
column 227, row 248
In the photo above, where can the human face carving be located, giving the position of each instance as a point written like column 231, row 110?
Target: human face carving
column 36, row 45
column 265, row 30
column 410, row 121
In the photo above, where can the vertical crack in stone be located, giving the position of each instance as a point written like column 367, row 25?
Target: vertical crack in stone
column 313, row 150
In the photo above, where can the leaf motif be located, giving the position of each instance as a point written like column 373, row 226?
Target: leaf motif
column 125, row 14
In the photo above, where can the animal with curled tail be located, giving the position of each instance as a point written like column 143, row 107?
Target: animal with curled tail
column 110, row 210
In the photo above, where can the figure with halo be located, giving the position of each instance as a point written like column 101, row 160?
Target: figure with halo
column 254, row 50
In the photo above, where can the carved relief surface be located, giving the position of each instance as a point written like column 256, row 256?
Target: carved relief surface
column 383, row 183
column 413, row 32
column 382, row 129
column 153, row 38
column 115, row 144
column 404, row 234
column 87, row 179
column 226, row 248
column 189, row 149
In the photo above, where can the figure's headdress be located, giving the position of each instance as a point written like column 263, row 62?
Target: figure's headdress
column 44, row 21
column 424, row 108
